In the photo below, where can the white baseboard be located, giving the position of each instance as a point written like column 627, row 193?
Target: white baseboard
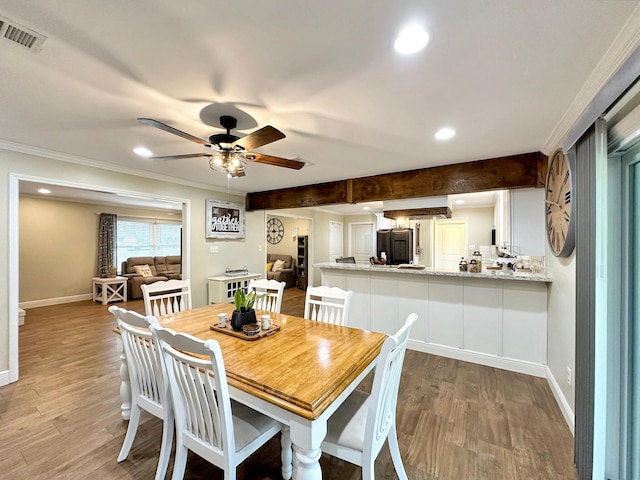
column 4, row 378
column 45, row 302
column 510, row 364
column 565, row 408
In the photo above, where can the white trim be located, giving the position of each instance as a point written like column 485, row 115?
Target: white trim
column 13, row 274
column 510, row 364
column 565, row 408
column 46, row 302
column 4, row 378
column 626, row 42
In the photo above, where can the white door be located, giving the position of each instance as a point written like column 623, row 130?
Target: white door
column 335, row 241
column 449, row 242
column 361, row 241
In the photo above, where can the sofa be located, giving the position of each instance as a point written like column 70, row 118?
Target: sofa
column 286, row 274
column 160, row 269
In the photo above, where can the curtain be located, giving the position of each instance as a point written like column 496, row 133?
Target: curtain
column 107, row 244
column 585, row 163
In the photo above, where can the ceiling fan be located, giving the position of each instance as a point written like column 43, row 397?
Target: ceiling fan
column 230, row 153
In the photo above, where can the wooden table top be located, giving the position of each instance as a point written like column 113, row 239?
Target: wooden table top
column 301, row 368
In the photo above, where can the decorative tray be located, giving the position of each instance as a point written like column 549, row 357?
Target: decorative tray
column 230, row 331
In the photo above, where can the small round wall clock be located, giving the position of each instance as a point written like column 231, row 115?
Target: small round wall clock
column 558, row 205
column 275, row 230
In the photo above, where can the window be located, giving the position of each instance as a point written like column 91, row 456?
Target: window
column 140, row 238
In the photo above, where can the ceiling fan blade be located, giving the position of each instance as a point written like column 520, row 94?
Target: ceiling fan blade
column 259, row 138
column 178, row 157
column 277, row 161
column 175, row 131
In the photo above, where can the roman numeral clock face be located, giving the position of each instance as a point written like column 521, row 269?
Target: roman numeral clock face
column 558, row 204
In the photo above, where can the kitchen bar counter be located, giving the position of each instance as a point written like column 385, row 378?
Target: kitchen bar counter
column 491, row 274
column 495, row 319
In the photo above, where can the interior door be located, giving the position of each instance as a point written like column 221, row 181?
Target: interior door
column 335, row 240
column 449, row 242
column 361, row 241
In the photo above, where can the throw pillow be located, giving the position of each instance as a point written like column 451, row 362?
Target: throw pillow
column 269, row 266
column 278, row 265
column 144, row 270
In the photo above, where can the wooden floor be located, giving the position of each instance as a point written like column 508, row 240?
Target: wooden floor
column 456, row 420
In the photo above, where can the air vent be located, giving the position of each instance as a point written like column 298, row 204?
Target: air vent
column 16, row 33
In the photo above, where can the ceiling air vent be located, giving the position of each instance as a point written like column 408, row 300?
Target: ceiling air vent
column 16, row 33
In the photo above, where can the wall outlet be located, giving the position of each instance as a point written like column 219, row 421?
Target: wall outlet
column 568, row 376
column 214, row 249
column 259, row 248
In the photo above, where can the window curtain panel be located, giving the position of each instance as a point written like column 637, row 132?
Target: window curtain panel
column 107, row 244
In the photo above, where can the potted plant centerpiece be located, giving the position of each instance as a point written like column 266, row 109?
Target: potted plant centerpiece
column 244, row 312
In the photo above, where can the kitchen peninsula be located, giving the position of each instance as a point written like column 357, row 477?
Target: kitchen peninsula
column 495, row 319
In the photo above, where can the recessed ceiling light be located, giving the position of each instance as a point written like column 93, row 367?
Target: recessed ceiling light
column 365, row 208
column 411, row 40
column 445, row 133
column 44, row 191
column 142, row 151
column 459, row 202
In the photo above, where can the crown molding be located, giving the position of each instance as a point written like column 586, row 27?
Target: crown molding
column 626, row 42
column 64, row 157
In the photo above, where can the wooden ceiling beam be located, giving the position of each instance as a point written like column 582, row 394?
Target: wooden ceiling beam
column 514, row 171
column 416, row 213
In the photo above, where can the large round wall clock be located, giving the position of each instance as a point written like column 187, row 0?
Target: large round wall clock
column 275, row 230
column 558, row 205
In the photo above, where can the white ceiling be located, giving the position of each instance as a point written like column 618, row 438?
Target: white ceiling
column 503, row 74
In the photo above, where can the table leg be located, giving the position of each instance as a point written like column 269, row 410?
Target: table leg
column 286, row 452
column 125, row 385
column 307, row 439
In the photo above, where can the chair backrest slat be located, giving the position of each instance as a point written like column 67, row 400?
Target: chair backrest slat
column 143, row 357
column 386, row 382
column 199, row 389
column 328, row 304
column 269, row 294
column 164, row 298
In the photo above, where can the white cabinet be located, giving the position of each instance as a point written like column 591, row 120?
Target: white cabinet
column 495, row 321
column 222, row 288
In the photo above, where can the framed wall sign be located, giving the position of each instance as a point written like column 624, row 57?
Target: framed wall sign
column 224, row 220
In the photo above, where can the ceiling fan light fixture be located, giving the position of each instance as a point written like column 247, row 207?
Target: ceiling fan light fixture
column 411, row 40
column 228, row 162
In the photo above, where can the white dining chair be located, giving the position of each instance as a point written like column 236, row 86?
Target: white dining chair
column 358, row 429
column 166, row 297
column 149, row 391
column 208, row 423
column 327, row 304
column 269, row 294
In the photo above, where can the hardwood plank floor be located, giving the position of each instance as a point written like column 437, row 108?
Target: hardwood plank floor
column 456, row 420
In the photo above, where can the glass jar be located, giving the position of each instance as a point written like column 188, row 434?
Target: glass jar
column 462, row 265
column 474, row 266
column 478, row 258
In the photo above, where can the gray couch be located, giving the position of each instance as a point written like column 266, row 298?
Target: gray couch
column 162, row 269
column 287, row 274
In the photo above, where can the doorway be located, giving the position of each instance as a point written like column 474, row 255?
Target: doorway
column 449, row 243
column 362, row 241
column 336, row 241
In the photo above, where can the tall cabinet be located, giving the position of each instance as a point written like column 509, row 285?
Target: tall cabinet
column 303, row 259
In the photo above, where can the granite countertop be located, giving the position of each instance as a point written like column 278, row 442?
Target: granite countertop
column 490, row 274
